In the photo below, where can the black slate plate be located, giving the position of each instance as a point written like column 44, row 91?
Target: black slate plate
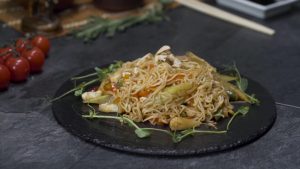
column 112, row 134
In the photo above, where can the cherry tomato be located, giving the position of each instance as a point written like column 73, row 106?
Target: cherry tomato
column 18, row 67
column 5, row 53
column 42, row 43
column 4, row 77
column 21, row 45
column 36, row 59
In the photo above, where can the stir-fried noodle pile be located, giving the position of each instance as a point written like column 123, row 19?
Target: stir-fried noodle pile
column 163, row 89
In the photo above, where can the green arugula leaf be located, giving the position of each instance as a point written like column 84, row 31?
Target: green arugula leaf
column 253, row 99
column 242, row 84
column 190, row 132
column 130, row 124
column 142, row 133
column 145, row 132
column 176, row 138
column 187, row 131
column 102, row 73
column 219, row 115
column 243, row 110
column 79, row 92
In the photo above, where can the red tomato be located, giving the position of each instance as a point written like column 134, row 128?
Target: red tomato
column 5, row 53
column 4, row 77
column 42, row 43
column 21, row 45
column 36, row 59
column 18, row 67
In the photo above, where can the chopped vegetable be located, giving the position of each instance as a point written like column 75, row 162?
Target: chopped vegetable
column 109, row 107
column 181, row 123
column 239, row 93
column 226, row 78
column 242, row 85
column 199, row 60
column 95, row 97
column 174, row 91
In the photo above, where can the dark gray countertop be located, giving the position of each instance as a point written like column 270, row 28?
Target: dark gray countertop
column 31, row 138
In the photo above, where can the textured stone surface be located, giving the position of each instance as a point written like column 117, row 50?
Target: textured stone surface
column 31, row 138
column 277, row 149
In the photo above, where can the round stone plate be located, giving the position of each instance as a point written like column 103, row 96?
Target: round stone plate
column 68, row 112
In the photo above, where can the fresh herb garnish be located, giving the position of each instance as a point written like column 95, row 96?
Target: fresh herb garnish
column 253, row 99
column 219, row 114
column 98, row 26
column 242, row 83
column 79, row 92
column 142, row 133
column 176, row 136
column 77, row 89
column 101, row 73
column 190, row 132
column 243, row 110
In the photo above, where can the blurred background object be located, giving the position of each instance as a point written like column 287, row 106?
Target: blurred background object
column 60, row 17
column 94, row 17
column 259, row 8
column 59, row 4
column 263, row 2
column 226, row 16
column 41, row 18
column 118, row 5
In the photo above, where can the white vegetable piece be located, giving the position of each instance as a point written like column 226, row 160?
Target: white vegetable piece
column 164, row 54
column 90, row 95
column 136, row 70
column 163, row 49
column 115, row 76
column 176, row 63
column 146, row 57
column 109, row 107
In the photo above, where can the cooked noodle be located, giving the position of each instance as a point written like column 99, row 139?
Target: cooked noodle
column 143, row 90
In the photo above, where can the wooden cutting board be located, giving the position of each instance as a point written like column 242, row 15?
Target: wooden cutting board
column 11, row 13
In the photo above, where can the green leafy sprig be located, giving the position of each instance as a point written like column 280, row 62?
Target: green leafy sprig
column 100, row 74
column 140, row 132
column 77, row 90
column 98, row 25
column 176, row 136
column 243, row 110
column 242, row 83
